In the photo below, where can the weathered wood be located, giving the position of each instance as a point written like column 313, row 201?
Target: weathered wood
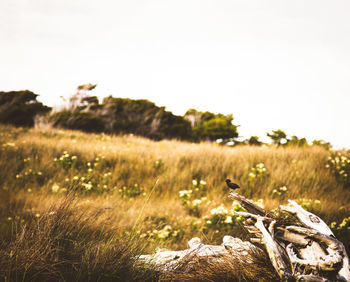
column 308, row 219
column 335, row 248
column 165, row 260
column 247, row 204
column 309, row 252
column 273, row 251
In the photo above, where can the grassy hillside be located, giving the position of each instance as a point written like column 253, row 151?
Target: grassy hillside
column 156, row 193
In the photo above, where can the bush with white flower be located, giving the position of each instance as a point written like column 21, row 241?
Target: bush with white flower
column 199, row 188
column 280, row 192
column 165, row 234
column 193, row 198
column 158, row 164
column 221, row 219
column 309, row 204
column 30, row 176
column 185, row 196
column 66, row 160
column 339, row 165
column 343, row 226
column 257, row 173
column 132, row 191
column 342, row 229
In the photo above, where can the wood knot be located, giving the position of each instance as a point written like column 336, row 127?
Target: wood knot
column 314, row 218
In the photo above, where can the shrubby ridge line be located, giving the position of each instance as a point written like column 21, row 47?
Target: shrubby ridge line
column 84, row 112
column 115, row 116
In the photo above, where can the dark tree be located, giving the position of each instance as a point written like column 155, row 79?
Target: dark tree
column 84, row 121
column 296, row 141
column 142, row 117
column 20, row 108
column 278, row 137
column 253, row 140
column 120, row 115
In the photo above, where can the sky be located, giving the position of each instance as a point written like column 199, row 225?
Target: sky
column 272, row 64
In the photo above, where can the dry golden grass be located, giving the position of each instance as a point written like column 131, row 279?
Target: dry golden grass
column 133, row 160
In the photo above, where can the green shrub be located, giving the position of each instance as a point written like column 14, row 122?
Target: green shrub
column 278, row 137
column 322, row 143
column 253, row 140
column 209, row 126
column 132, row 191
column 142, row 117
column 84, row 121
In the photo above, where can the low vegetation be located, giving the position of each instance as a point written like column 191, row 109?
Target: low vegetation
column 78, row 206
column 84, row 112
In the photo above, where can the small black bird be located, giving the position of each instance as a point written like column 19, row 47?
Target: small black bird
column 232, row 185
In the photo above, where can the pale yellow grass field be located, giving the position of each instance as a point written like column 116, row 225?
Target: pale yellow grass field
column 131, row 160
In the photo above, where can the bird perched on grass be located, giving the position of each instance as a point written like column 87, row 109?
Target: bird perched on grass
column 232, row 185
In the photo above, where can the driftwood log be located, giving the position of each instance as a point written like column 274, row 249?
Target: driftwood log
column 304, row 251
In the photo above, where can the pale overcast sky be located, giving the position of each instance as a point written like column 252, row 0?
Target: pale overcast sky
column 273, row 64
